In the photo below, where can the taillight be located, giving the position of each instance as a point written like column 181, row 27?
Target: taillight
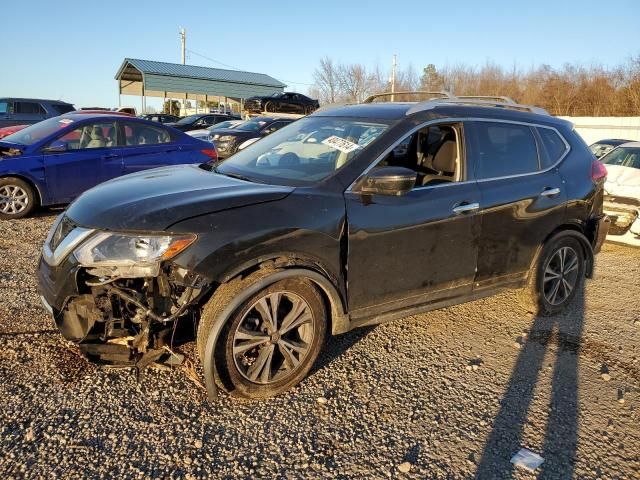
column 211, row 153
column 598, row 171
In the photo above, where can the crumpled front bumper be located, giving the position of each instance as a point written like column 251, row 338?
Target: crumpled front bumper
column 624, row 217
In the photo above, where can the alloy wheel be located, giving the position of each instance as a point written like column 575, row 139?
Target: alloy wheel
column 560, row 275
column 273, row 337
column 13, row 199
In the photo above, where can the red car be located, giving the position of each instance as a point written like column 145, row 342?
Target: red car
column 4, row 131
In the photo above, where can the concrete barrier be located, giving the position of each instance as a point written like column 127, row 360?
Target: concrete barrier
column 593, row 129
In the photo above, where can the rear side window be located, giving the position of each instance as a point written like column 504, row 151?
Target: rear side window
column 553, row 145
column 141, row 134
column 62, row 108
column 4, row 107
column 504, row 149
column 29, row 107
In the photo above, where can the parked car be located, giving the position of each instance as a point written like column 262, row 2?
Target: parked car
column 4, row 131
column 160, row 117
column 228, row 140
column 622, row 193
column 283, row 102
column 412, row 207
column 603, row 147
column 207, row 134
column 200, row 121
column 26, row 111
column 54, row 161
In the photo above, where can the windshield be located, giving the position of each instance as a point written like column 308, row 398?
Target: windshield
column 225, row 124
column 253, row 125
column 304, row 152
column 188, row 120
column 623, row 156
column 36, row 132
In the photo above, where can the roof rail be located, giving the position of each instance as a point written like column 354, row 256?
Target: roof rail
column 488, row 97
column 475, row 102
column 442, row 94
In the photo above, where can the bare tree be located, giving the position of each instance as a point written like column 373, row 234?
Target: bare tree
column 326, row 80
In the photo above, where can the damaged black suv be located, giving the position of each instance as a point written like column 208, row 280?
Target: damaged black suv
column 352, row 216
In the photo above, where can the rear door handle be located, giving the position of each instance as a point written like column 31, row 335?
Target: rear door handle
column 107, row 156
column 550, row 192
column 466, row 208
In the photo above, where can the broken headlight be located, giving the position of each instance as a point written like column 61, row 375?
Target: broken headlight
column 126, row 255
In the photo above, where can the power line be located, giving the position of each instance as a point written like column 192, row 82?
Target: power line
column 238, row 68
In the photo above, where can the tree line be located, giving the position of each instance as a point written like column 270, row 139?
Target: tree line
column 571, row 90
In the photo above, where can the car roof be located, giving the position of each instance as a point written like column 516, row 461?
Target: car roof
column 613, row 141
column 78, row 116
column 16, row 99
column 630, row 144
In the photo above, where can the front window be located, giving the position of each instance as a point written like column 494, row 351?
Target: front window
column 38, row 131
column 304, row 152
column 624, row 157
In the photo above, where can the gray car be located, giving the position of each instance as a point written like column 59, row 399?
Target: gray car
column 25, row 111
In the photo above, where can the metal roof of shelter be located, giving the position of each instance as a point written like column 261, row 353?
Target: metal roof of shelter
column 175, row 80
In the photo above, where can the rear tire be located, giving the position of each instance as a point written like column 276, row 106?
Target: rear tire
column 17, row 198
column 556, row 278
column 269, row 107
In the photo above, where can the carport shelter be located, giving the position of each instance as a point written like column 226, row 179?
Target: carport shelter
column 148, row 78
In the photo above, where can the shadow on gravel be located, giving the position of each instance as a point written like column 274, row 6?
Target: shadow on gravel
column 336, row 346
column 561, row 433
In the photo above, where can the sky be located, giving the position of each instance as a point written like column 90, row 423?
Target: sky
column 72, row 49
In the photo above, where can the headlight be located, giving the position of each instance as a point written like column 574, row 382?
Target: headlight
column 226, row 138
column 129, row 255
column 211, row 138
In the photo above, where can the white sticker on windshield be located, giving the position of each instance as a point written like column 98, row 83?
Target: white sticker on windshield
column 65, row 121
column 341, row 144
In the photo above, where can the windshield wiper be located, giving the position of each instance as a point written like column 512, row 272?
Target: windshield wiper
column 239, row 176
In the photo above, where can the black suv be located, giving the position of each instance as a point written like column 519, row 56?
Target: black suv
column 200, row 120
column 352, row 216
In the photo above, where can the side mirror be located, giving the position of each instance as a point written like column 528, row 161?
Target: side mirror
column 393, row 181
column 55, row 147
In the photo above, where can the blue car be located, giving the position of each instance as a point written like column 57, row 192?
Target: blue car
column 54, row 161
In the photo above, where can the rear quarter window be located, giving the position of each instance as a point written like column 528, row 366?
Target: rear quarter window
column 62, row 109
column 504, row 149
column 553, row 146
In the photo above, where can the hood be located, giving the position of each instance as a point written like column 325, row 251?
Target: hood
column 235, row 132
column 155, row 199
column 199, row 133
column 623, row 181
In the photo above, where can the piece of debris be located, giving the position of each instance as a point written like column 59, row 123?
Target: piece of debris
column 606, row 377
column 404, row 467
column 29, row 436
column 322, row 400
column 620, row 396
column 527, row 459
column 197, row 444
column 517, row 344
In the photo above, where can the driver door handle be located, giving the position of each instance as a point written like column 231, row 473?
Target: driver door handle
column 550, row 192
column 465, row 207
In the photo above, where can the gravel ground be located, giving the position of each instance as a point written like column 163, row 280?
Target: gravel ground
column 448, row 394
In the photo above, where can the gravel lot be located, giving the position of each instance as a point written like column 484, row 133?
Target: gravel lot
column 455, row 393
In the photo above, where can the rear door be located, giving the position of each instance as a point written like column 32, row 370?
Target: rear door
column 522, row 198
column 28, row 112
column 92, row 156
column 148, row 146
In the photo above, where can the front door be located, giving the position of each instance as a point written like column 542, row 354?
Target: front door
column 91, row 156
column 422, row 246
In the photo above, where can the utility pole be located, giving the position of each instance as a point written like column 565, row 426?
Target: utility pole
column 393, row 77
column 183, row 41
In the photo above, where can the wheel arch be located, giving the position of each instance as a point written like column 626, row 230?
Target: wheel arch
column 337, row 317
column 571, row 230
column 29, row 181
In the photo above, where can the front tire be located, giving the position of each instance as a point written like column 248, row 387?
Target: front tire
column 270, row 107
column 271, row 342
column 556, row 278
column 17, row 198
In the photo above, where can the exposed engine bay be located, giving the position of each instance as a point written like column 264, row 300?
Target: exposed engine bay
column 133, row 321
